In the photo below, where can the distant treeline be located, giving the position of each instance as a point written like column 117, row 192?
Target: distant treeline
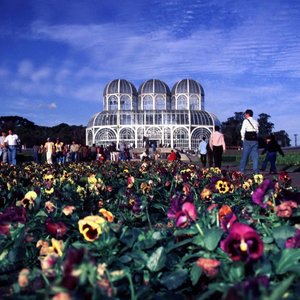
column 31, row 134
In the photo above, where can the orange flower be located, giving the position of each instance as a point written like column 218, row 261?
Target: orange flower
column 145, row 187
column 186, row 189
column 57, row 246
column 68, row 210
column 62, row 296
column 23, row 278
column 206, row 194
column 209, row 266
column 107, row 215
column 224, row 211
column 49, row 206
column 226, row 217
column 285, row 209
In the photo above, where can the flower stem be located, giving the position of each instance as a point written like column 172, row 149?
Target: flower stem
column 199, row 229
column 148, row 217
column 128, row 275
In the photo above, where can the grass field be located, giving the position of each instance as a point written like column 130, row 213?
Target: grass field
column 291, row 157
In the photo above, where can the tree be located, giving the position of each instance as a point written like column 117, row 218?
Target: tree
column 282, row 138
column 231, row 129
column 31, row 134
column 265, row 127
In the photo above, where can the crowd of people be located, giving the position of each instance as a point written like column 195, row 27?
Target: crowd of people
column 57, row 152
column 210, row 152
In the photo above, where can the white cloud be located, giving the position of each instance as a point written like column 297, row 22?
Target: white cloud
column 52, row 105
column 25, row 68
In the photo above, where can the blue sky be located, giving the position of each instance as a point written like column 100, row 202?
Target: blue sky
column 57, row 55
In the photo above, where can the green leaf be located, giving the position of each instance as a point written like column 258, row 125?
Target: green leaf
column 212, row 238
column 195, row 273
column 282, row 233
column 199, row 240
column 157, row 260
column 237, row 272
column 41, row 213
column 124, row 259
column 280, row 289
column 3, row 255
column 130, row 236
column 173, row 245
column 288, row 261
column 157, row 236
column 175, row 279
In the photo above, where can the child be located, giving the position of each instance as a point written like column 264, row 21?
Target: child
column 271, row 149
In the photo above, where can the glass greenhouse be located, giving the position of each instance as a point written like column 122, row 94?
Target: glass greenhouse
column 173, row 118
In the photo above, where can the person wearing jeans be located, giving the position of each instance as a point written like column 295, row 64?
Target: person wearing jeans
column 249, row 133
column 12, row 143
column 203, row 151
column 271, row 149
column 3, row 148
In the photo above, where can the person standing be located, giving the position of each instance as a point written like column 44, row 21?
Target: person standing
column 271, row 149
column 249, row 132
column 203, row 151
column 3, row 148
column 11, row 142
column 217, row 144
column 74, row 148
column 35, row 150
column 42, row 154
column 59, row 147
column 209, row 156
column 49, row 148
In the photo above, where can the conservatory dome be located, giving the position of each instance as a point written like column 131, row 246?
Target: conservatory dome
column 154, row 94
column 154, row 86
column 187, row 86
column 187, row 94
column 120, row 86
column 120, row 94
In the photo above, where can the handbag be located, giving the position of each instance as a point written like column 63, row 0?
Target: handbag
column 251, row 135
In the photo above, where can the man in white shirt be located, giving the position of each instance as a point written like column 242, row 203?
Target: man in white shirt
column 249, row 132
column 11, row 142
column 49, row 148
column 203, row 151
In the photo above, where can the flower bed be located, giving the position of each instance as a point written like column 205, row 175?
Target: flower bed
column 150, row 230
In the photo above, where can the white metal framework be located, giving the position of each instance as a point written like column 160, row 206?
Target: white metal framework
column 169, row 117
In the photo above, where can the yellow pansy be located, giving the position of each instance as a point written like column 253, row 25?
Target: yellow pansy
column 222, row 186
column 258, row 178
column 92, row 179
column 32, row 195
column 91, row 227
